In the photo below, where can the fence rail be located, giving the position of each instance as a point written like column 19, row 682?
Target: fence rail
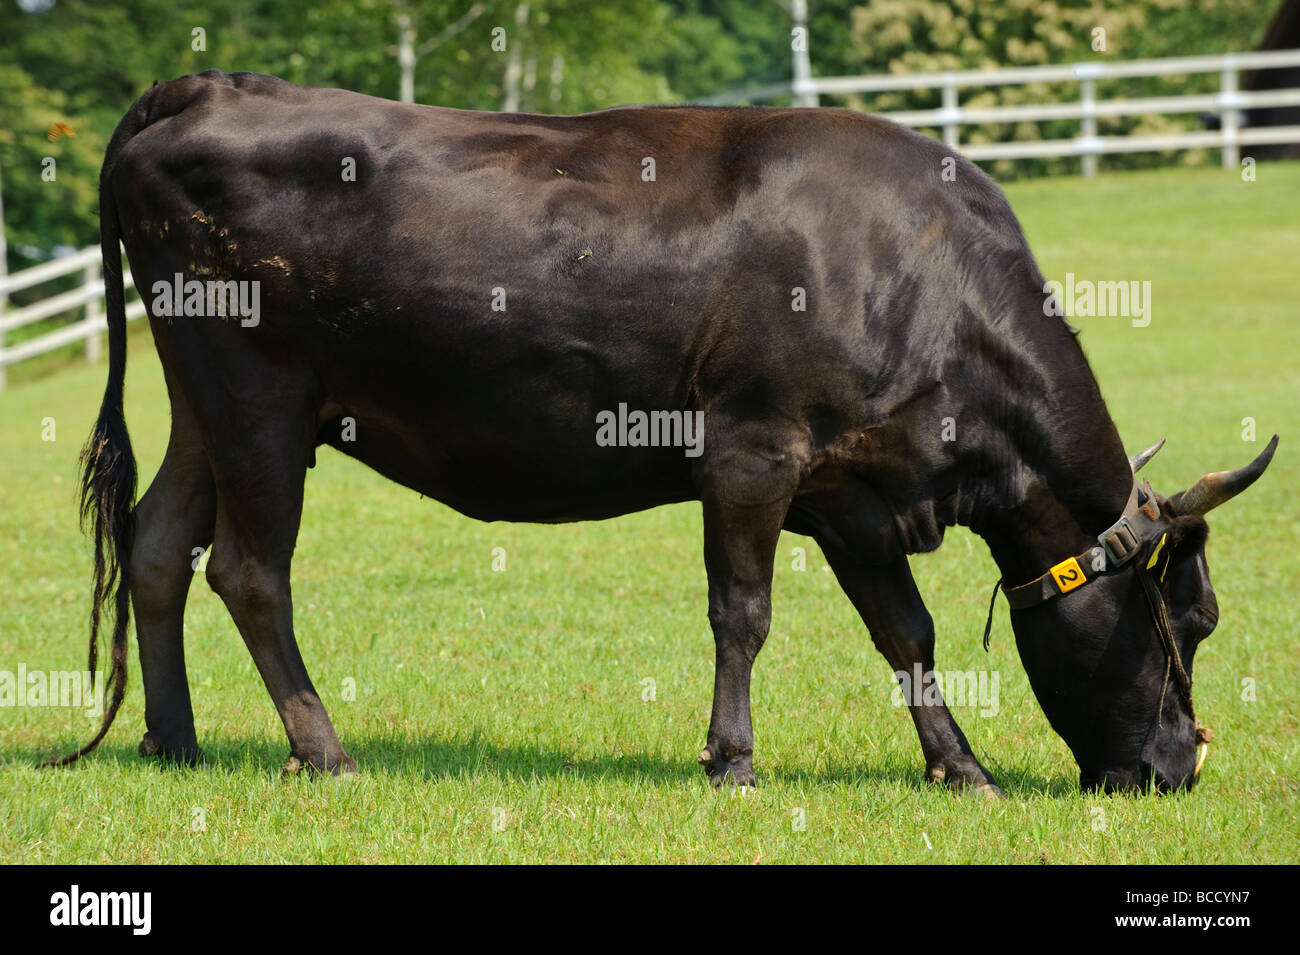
column 88, row 298
column 951, row 116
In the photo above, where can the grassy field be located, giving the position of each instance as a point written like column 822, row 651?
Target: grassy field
column 499, row 715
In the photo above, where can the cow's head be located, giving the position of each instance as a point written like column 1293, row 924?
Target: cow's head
column 1097, row 660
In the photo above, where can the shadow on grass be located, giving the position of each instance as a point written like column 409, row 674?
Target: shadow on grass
column 476, row 756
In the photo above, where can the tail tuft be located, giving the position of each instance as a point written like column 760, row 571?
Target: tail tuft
column 108, row 473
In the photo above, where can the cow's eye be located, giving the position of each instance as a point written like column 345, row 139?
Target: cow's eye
column 1190, row 596
column 1201, row 620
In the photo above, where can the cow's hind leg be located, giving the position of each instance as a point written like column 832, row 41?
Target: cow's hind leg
column 173, row 519
column 887, row 599
column 260, row 471
column 745, row 498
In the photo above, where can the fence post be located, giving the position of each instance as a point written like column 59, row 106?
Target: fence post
column 93, row 314
column 804, row 93
column 1088, row 95
column 1228, row 103
column 951, row 129
column 1088, row 144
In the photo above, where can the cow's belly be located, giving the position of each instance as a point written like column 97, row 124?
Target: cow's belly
column 538, row 432
column 481, row 491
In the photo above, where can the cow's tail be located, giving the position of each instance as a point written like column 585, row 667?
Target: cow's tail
column 108, row 475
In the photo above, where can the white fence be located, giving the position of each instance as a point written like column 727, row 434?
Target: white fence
column 952, row 116
column 88, row 295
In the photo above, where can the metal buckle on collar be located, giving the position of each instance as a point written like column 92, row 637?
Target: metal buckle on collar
column 1120, row 541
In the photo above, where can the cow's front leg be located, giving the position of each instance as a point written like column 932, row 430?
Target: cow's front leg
column 902, row 629
column 739, row 547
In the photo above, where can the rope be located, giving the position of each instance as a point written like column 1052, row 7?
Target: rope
column 988, row 624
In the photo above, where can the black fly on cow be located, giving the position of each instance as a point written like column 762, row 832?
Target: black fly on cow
column 922, row 302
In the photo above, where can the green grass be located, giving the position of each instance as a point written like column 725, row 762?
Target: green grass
column 516, row 696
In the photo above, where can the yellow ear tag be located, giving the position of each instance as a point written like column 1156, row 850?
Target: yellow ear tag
column 1068, row 575
column 1155, row 554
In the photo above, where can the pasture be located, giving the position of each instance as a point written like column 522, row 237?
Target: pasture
column 509, row 714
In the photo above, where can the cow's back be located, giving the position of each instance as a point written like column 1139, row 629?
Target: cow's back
column 475, row 288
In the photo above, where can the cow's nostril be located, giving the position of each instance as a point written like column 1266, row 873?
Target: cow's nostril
column 1164, row 785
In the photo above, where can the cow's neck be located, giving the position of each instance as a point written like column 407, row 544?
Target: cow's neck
column 1064, row 477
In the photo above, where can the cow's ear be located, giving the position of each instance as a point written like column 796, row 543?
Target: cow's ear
column 1192, row 606
column 1187, row 534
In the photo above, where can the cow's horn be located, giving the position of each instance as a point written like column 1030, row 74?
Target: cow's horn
column 1136, row 461
column 1213, row 489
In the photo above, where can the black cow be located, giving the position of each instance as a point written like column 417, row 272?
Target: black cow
column 462, row 301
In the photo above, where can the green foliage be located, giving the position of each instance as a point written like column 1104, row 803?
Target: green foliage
column 83, row 62
column 914, row 36
column 42, row 212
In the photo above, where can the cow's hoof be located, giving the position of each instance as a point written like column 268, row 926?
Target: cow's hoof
column 737, row 771
column 989, row 791
column 179, row 754
column 343, row 765
column 964, row 775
